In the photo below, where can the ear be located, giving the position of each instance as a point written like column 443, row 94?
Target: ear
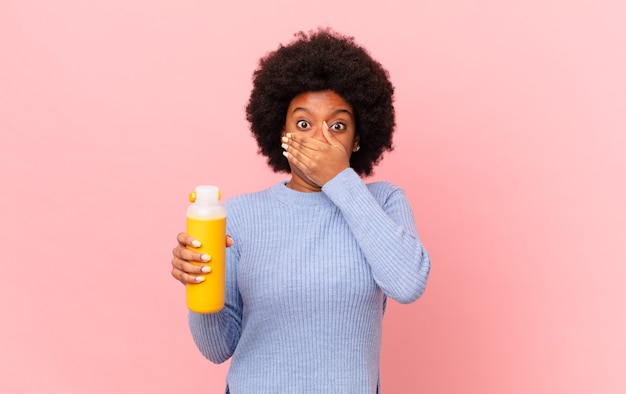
column 355, row 143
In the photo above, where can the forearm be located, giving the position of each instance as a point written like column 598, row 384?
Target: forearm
column 215, row 334
column 386, row 234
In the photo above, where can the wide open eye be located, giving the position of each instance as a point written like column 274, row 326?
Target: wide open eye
column 303, row 124
column 338, row 126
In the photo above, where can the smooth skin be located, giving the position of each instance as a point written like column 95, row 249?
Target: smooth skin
column 318, row 140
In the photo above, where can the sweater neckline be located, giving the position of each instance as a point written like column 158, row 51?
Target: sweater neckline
column 294, row 197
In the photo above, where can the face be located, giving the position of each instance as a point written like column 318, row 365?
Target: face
column 306, row 116
column 308, row 111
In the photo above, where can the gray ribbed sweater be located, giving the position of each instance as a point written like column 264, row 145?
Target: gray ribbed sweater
column 307, row 281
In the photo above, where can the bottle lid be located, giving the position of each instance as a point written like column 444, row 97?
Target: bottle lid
column 205, row 194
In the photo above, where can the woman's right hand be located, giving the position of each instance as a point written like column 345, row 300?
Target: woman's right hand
column 182, row 267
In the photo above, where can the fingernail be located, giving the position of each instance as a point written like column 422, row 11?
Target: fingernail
column 199, row 278
column 205, row 257
column 285, row 139
column 206, row 269
column 288, row 135
column 285, row 154
column 284, row 146
column 196, row 243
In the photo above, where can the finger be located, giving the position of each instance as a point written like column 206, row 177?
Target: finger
column 190, row 268
column 229, row 241
column 294, row 157
column 302, row 151
column 186, row 278
column 305, row 145
column 183, row 253
column 330, row 137
column 187, row 272
column 188, row 240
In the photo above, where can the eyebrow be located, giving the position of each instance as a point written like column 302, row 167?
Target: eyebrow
column 336, row 112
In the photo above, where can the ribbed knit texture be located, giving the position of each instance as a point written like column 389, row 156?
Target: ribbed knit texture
column 307, row 280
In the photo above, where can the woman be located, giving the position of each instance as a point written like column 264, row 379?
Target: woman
column 311, row 261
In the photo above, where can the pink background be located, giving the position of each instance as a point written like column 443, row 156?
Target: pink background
column 510, row 146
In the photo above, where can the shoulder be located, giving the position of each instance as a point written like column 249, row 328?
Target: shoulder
column 383, row 191
column 248, row 200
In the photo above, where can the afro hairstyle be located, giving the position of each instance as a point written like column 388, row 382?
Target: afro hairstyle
column 317, row 61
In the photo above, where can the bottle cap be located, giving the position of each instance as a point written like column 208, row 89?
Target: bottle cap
column 205, row 194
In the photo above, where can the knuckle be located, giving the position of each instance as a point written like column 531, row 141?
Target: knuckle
column 194, row 269
column 182, row 276
column 186, row 255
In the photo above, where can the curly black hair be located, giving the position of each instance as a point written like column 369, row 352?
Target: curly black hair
column 317, row 61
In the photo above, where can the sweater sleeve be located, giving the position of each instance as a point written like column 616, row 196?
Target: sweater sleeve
column 216, row 335
column 386, row 234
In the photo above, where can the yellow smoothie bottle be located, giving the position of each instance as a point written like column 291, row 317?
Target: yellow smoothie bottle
column 206, row 222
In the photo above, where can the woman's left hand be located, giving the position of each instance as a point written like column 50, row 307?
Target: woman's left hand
column 319, row 161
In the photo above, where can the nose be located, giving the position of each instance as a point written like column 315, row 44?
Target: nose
column 318, row 134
